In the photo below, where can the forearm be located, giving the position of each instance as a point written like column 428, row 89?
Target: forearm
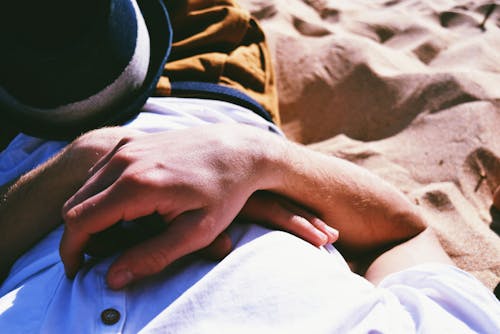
column 31, row 206
column 368, row 212
column 199, row 183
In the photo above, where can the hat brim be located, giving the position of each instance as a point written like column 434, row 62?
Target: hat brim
column 160, row 33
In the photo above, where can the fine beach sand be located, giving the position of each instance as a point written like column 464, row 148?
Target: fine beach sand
column 408, row 89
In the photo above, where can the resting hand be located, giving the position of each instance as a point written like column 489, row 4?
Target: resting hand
column 125, row 235
column 24, row 218
column 262, row 207
column 197, row 184
column 278, row 212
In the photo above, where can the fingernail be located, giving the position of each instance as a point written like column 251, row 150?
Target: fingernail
column 121, row 278
column 332, row 231
column 322, row 236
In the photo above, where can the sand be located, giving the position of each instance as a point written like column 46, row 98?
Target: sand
column 408, row 89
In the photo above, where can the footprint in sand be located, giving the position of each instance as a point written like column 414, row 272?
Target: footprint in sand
column 484, row 167
column 427, row 51
column 460, row 16
column 439, row 199
column 330, row 15
column 324, row 10
column 451, row 19
column 265, row 11
column 309, row 29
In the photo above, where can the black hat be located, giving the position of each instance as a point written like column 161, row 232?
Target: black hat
column 68, row 66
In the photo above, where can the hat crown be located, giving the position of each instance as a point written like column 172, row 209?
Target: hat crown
column 69, row 55
column 68, row 66
column 52, row 24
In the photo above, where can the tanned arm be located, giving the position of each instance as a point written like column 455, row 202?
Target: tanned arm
column 30, row 207
column 203, row 182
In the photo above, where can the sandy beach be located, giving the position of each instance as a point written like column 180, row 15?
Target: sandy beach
column 408, row 89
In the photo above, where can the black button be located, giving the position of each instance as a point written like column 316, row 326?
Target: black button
column 110, row 316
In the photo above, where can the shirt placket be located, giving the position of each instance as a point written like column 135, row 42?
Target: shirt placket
column 111, row 311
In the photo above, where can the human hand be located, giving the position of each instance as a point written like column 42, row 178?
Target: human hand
column 262, row 207
column 279, row 212
column 24, row 218
column 197, row 184
column 125, row 235
column 87, row 149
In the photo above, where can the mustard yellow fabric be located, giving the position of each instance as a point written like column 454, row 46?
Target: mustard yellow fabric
column 217, row 41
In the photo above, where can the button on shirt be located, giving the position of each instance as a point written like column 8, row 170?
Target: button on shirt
column 272, row 282
column 110, row 316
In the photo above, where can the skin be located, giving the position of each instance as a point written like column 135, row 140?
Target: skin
column 227, row 164
column 424, row 247
column 47, row 187
column 21, row 228
column 234, row 170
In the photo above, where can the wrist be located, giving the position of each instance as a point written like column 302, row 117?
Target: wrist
column 267, row 153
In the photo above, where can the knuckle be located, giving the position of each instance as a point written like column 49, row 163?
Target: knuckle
column 204, row 236
column 316, row 222
column 132, row 179
column 297, row 220
column 102, row 139
column 154, row 261
column 123, row 140
column 138, row 179
column 206, row 231
column 71, row 217
column 205, row 239
column 122, row 157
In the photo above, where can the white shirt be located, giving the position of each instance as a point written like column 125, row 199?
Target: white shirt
column 272, row 282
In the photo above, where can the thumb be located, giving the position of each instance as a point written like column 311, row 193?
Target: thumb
column 185, row 234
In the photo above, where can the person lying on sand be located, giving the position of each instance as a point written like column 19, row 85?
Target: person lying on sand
column 102, row 232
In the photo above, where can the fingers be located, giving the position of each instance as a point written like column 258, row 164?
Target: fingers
column 305, row 225
column 71, row 251
column 187, row 233
column 124, row 235
column 104, row 209
column 116, row 240
column 107, row 157
column 280, row 213
column 101, row 176
column 96, row 214
column 77, row 235
column 218, row 249
column 94, row 185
